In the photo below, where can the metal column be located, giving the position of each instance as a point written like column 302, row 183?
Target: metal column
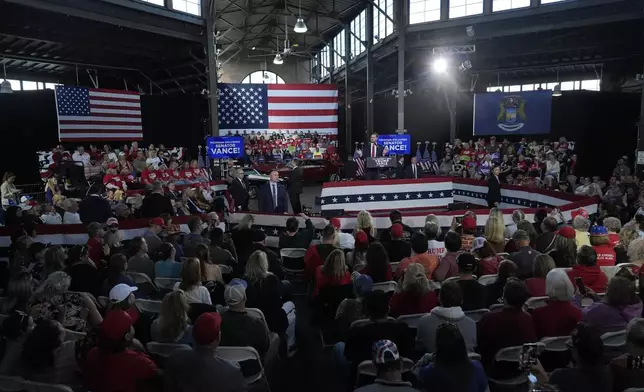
column 331, row 49
column 369, row 45
column 401, row 22
column 208, row 12
column 640, row 137
column 347, row 90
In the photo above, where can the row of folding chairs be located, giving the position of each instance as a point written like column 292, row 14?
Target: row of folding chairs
column 18, row 384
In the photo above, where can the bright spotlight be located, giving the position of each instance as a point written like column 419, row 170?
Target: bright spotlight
column 440, row 65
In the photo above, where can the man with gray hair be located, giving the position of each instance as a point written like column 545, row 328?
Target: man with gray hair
column 434, row 247
column 581, row 226
column 157, row 203
column 239, row 190
column 71, row 216
column 524, row 257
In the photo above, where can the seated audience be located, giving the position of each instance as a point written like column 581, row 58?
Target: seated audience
column 198, row 369
column 473, row 292
column 18, row 293
column 627, row 368
column 388, row 363
column 238, row 327
column 97, row 248
column 494, row 295
column 85, row 277
column 447, row 266
column 559, row 317
column 613, row 225
column 420, row 255
column 588, row 270
column 190, row 241
column 218, row 252
column 511, row 326
column 539, row 217
column 378, row 266
column 449, row 311
column 173, row 324
column 353, row 309
column 140, row 261
column 364, row 222
column 343, row 240
column 296, row 238
column 49, row 216
column 546, row 239
column 264, row 292
column 469, row 230
column 488, row 263
column 316, row 254
column 511, row 246
column 116, row 273
column 274, row 260
column 581, row 226
column 53, row 301
column 627, row 235
column 619, row 306
column 452, row 370
column 191, row 282
column 156, row 203
column 210, row 272
column 357, row 258
column 166, row 266
column 537, row 284
column 397, row 248
column 601, row 243
column 416, row 296
column 564, row 248
column 113, row 237
column 112, row 365
column 517, row 216
column 71, row 216
column 493, row 233
column 524, row 256
column 396, row 218
column 151, row 235
column 54, row 260
column 334, row 272
column 434, row 247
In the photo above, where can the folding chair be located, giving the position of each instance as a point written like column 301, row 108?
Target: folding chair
column 614, row 340
column 368, row 369
column 487, row 279
column 496, row 307
column 149, row 305
column 503, row 254
column 536, row 302
column 452, row 279
column 163, row 349
column 411, row 320
column 255, row 312
column 394, row 267
column 385, row 286
column 166, row 283
column 143, row 282
column 476, row 314
column 225, row 269
column 512, row 354
column 17, row 384
column 240, row 354
column 556, row 344
column 293, row 260
column 71, row 336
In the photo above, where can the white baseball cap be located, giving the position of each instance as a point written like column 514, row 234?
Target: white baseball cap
column 120, row 292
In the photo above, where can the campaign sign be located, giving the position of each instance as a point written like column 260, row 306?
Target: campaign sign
column 396, row 144
column 220, row 147
column 519, row 113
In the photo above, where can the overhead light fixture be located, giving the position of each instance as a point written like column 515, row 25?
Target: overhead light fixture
column 465, row 65
column 278, row 59
column 440, row 65
column 557, row 91
column 300, row 26
column 253, row 48
column 470, row 31
column 5, row 86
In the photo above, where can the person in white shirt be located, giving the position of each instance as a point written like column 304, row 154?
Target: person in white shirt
column 71, row 216
column 153, row 162
column 49, row 216
column 434, row 247
column 81, row 156
column 191, row 282
column 517, row 216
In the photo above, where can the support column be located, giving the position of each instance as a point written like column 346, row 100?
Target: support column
column 369, row 45
column 347, row 90
column 487, row 7
column 640, row 138
column 331, row 62
column 401, row 23
column 444, row 10
column 208, row 13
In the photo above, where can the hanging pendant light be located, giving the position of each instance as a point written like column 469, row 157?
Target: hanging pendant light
column 278, row 59
column 5, row 86
column 300, row 26
column 557, row 91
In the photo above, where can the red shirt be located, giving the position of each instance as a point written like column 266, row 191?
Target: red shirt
column 522, row 166
column 506, row 328
column 95, row 250
column 405, row 302
column 489, row 265
column 537, row 286
column 614, row 239
column 592, row 277
column 117, row 372
column 605, row 255
column 188, row 174
column 558, row 318
column 322, row 280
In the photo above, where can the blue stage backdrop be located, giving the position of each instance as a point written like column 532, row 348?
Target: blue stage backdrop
column 396, row 144
column 519, row 113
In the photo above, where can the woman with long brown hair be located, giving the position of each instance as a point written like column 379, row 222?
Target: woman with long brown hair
column 334, row 272
column 173, row 324
column 209, row 272
column 191, row 282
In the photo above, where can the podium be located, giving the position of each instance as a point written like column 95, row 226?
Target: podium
column 381, row 162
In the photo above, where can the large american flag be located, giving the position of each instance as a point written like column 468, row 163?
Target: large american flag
column 278, row 107
column 98, row 115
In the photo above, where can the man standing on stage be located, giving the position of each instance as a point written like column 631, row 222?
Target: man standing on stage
column 295, row 186
column 494, row 188
column 272, row 195
column 413, row 170
column 373, row 150
column 239, row 190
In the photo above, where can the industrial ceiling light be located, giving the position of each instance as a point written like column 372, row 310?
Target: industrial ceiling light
column 465, row 65
column 278, row 59
column 300, row 26
column 440, row 65
column 5, row 86
column 557, row 91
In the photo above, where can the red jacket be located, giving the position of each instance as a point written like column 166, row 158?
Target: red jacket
column 558, row 318
column 322, row 280
column 536, row 286
column 314, row 257
column 489, row 265
column 592, row 277
column 605, row 255
column 405, row 302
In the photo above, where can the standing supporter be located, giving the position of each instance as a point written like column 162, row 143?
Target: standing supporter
column 219, row 248
column 353, row 309
column 511, row 326
column 449, row 312
column 581, row 226
column 588, row 270
column 296, row 238
column 151, row 234
column 333, row 272
column 156, row 203
column 601, row 243
column 96, row 248
column 473, row 292
column 524, row 256
column 274, row 261
column 116, row 273
column 627, row 368
column 264, row 292
column 539, row 216
column 627, row 235
column 140, row 261
column 316, row 254
column 378, row 266
column 416, row 296
column 559, row 316
column 493, row 233
column 71, row 215
column 537, row 284
column 545, row 240
column 434, row 247
column 112, row 366
column 388, row 364
column 364, row 222
column 343, row 240
column 620, row 305
column 613, row 225
column 191, row 282
column 357, row 258
column 419, row 255
column 488, row 263
column 396, row 218
column 517, row 216
column 85, row 277
column 9, row 190
column 564, row 248
column 190, row 241
column 166, row 266
column 507, row 270
column 447, row 266
column 469, row 230
column 173, row 324
column 397, row 248
column 95, row 208
column 452, row 370
column 210, row 272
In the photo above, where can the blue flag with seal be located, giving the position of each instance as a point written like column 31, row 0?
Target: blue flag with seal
column 396, row 144
column 519, row 113
column 223, row 147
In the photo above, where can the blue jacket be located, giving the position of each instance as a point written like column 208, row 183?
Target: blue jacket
column 266, row 202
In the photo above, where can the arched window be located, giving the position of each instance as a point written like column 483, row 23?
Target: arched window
column 263, row 77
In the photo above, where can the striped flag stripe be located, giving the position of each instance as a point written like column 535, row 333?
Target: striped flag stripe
column 115, row 128
column 97, row 119
column 303, row 125
column 302, row 87
column 313, row 112
column 98, row 91
column 303, row 106
column 104, row 97
column 301, row 93
column 302, row 119
column 303, row 100
column 102, row 102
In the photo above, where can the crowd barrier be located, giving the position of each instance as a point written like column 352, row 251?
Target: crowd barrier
column 471, row 191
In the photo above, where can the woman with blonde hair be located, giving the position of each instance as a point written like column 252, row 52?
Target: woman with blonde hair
column 334, row 272
column 210, row 272
column 191, row 282
column 173, row 324
column 416, row 296
column 627, row 234
column 494, row 230
column 364, row 222
column 264, row 292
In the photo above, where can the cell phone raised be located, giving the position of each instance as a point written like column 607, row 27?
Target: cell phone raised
column 580, row 285
column 529, row 355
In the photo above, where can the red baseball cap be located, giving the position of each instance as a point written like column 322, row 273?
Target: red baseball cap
column 567, row 232
column 581, row 212
column 336, row 223
column 116, row 324
column 469, row 222
column 396, row 230
column 207, row 328
column 157, row 221
column 361, row 237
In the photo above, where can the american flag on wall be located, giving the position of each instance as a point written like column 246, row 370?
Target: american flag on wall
column 278, row 107
column 89, row 114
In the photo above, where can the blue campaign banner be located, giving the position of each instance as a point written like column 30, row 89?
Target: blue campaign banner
column 396, row 144
column 519, row 113
column 222, row 147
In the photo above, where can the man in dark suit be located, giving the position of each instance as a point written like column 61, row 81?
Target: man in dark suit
column 413, row 170
column 494, row 188
column 295, row 186
column 239, row 190
column 157, row 203
column 272, row 196
column 400, row 168
column 372, row 150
